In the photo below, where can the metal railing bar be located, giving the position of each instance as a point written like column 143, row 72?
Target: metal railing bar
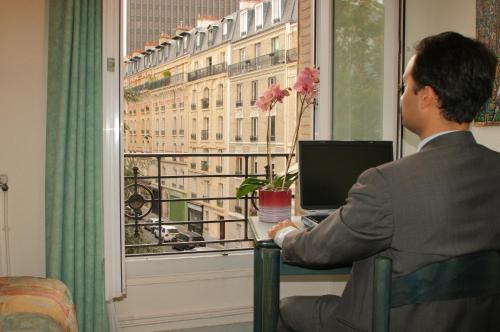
column 224, row 251
column 169, row 244
column 185, row 222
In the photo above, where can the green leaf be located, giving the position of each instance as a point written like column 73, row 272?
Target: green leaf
column 250, row 185
column 290, row 179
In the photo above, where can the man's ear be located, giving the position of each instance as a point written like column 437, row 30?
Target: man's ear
column 428, row 98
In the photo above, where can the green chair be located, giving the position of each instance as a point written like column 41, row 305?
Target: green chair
column 459, row 277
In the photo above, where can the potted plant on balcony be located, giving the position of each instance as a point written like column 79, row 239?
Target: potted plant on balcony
column 275, row 196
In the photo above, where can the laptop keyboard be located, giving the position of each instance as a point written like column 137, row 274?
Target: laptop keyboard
column 318, row 217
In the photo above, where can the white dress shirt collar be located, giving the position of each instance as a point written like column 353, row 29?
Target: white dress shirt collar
column 430, row 138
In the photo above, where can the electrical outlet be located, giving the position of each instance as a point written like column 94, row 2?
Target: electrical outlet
column 4, row 179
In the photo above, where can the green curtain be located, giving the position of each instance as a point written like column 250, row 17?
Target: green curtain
column 73, row 187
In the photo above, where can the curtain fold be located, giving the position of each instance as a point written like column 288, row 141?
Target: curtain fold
column 73, row 187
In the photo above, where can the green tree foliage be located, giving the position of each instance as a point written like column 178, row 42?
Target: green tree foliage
column 358, row 69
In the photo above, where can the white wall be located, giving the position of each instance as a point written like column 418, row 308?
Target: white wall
column 429, row 17
column 23, row 63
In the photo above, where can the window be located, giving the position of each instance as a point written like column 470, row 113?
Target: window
column 224, row 30
column 185, row 42
column 220, row 125
column 271, row 81
column 257, row 47
column 276, row 10
column 254, row 92
column 239, row 129
column 238, row 94
column 243, row 55
column 254, row 128
column 198, row 40
column 272, row 129
column 243, row 23
column 220, row 94
column 259, row 16
column 275, row 44
column 222, row 57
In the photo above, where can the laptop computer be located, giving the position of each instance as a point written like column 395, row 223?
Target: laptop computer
column 328, row 169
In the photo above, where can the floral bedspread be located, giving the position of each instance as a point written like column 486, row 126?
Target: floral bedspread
column 36, row 304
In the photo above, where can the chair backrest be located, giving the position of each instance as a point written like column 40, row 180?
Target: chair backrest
column 460, row 277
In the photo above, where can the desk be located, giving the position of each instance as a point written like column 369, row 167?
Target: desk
column 268, row 267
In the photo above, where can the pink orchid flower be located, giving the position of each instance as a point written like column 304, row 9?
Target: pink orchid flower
column 263, row 104
column 277, row 93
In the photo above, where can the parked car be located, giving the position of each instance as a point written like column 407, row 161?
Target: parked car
column 168, row 232
column 151, row 227
column 188, row 237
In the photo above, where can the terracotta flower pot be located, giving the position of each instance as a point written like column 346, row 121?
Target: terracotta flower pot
column 275, row 205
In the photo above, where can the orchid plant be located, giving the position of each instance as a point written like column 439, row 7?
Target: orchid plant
column 306, row 87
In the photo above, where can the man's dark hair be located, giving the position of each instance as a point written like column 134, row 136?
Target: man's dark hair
column 461, row 71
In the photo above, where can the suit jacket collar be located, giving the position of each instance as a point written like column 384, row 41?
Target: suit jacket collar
column 455, row 138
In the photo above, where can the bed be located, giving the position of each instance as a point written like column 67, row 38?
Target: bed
column 36, row 304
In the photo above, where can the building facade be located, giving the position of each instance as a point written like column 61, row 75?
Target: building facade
column 216, row 71
column 149, row 19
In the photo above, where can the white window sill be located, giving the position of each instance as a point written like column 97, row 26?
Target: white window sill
column 147, row 266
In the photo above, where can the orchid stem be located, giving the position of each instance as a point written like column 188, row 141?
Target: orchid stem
column 295, row 136
column 268, row 134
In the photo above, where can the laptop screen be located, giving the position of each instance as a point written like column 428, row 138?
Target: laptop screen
column 328, row 169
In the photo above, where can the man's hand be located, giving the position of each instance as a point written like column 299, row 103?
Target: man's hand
column 282, row 224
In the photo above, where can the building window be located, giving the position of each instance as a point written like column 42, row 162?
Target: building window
column 224, row 30
column 243, row 23
column 259, row 16
column 185, row 42
column 276, row 10
column 257, row 50
column 254, row 92
column 238, row 94
column 271, row 81
column 243, row 55
column 222, row 57
column 254, row 128
column 220, row 94
column 239, row 129
column 275, row 44
column 198, row 41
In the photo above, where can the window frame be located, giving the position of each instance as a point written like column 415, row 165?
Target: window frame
column 115, row 274
column 243, row 23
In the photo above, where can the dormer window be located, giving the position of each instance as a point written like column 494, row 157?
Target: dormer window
column 276, row 4
column 243, row 23
column 259, row 16
column 185, row 42
column 198, row 41
column 224, row 30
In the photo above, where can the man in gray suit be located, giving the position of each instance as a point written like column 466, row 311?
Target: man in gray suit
column 440, row 202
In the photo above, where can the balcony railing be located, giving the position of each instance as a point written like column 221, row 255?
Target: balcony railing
column 205, row 103
column 252, row 101
column 272, row 138
column 218, row 136
column 193, row 136
column 181, row 132
column 264, row 61
column 239, row 103
column 204, row 134
column 148, row 203
column 163, row 133
column 253, row 138
column 218, row 169
column 166, row 81
column 193, row 107
column 219, row 103
column 237, row 138
column 207, row 71
column 174, row 106
column 204, row 165
column 181, row 105
column 193, row 165
column 174, row 132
